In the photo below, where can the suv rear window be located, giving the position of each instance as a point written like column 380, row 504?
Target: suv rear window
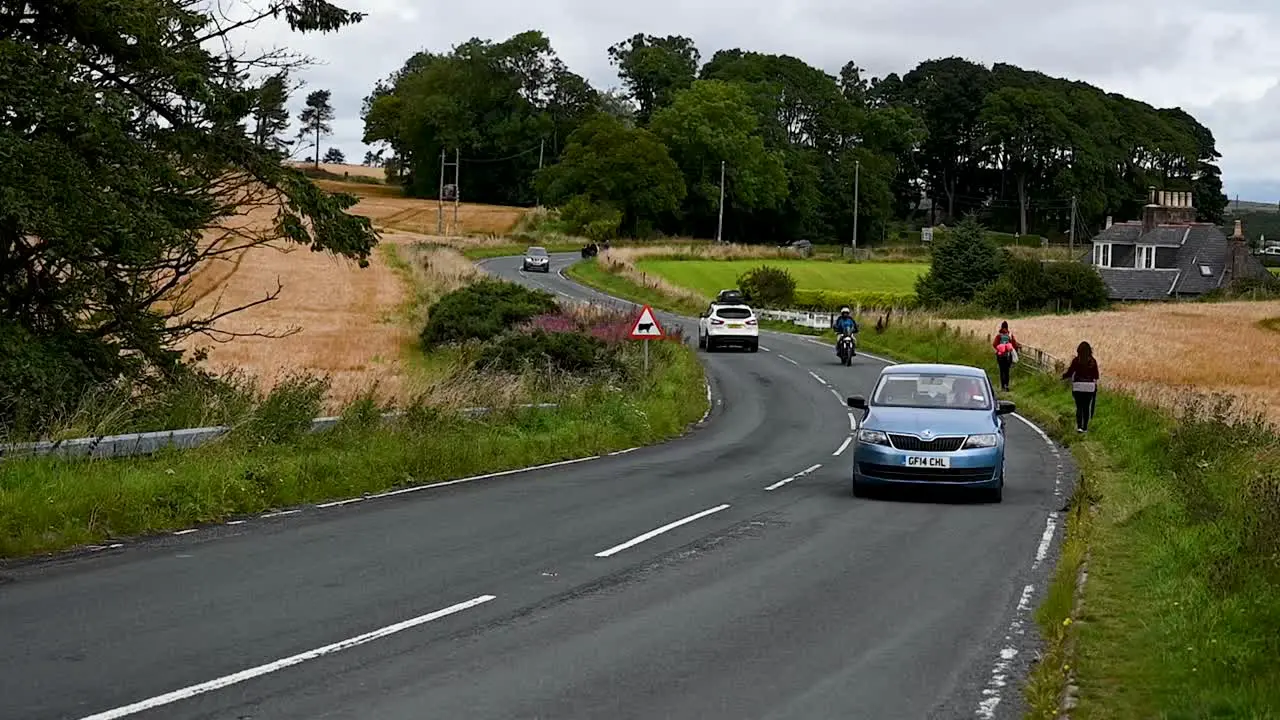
column 733, row 313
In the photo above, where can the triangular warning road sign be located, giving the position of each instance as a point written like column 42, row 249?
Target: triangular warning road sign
column 646, row 326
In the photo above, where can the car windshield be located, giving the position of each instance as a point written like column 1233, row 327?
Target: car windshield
column 733, row 313
column 919, row 390
column 537, row 252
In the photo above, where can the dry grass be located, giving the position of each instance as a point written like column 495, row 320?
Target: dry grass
column 350, row 324
column 347, row 168
column 388, row 208
column 1164, row 352
column 622, row 261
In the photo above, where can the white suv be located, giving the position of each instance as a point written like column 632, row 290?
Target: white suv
column 732, row 323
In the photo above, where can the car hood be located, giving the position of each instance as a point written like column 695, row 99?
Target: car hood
column 939, row 422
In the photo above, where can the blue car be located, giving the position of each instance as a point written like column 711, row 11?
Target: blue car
column 930, row 425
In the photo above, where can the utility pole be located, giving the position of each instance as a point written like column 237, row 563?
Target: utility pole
column 1071, row 239
column 542, row 144
column 457, row 186
column 720, row 222
column 857, row 175
column 440, row 203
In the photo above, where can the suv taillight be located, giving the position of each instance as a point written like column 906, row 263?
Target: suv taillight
column 752, row 321
column 717, row 321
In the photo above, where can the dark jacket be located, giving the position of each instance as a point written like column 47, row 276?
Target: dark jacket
column 1082, row 370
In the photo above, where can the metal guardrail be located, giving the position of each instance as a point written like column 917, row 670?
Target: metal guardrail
column 134, row 444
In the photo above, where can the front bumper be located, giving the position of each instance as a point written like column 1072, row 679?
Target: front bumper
column 537, row 267
column 879, row 465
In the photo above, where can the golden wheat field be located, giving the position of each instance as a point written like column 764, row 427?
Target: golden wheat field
column 347, row 169
column 1163, row 352
column 338, row 320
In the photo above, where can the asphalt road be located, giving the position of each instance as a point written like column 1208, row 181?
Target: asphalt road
column 551, row 593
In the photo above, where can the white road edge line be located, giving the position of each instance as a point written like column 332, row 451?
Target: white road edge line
column 516, row 471
column 654, row 533
column 842, row 447
column 797, row 476
column 339, row 503
column 281, row 513
column 187, row 531
column 228, row 680
column 1000, row 670
column 623, row 452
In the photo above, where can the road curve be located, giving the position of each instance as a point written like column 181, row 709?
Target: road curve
column 725, row 574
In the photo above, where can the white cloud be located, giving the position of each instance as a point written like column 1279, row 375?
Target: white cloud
column 1215, row 59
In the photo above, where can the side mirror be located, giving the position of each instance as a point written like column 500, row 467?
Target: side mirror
column 857, row 402
column 1004, row 407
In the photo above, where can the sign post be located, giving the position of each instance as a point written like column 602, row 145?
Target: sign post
column 646, row 328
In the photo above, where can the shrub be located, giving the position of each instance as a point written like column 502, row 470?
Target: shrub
column 482, row 311
column 827, row 300
column 595, row 220
column 571, row 352
column 286, row 413
column 1029, row 284
column 768, row 286
column 965, row 260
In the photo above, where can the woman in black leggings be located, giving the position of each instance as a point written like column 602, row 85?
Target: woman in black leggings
column 1083, row 374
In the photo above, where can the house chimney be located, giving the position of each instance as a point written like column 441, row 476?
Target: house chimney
column 1108, row 223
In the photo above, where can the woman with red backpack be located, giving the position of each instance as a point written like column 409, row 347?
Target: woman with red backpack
column 1006, row 347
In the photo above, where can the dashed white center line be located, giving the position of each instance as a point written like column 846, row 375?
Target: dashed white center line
column 842, row 447
column 784, row 357
column 838, row 395
column 655, row 533
column 228, row 680
column 797, row 476
column 817, row 377
column 765, row 349
column 853, row 423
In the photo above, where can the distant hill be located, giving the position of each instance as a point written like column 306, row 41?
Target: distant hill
column 1250, row 206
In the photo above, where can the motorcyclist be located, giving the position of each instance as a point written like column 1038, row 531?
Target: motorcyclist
column 844, row 324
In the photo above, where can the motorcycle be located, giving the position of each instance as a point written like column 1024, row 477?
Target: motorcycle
column 846, row 348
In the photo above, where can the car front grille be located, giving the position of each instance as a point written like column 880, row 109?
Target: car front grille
column 899, row 472
column 911, row 442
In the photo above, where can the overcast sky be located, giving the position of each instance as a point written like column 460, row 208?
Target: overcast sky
column 1217, row 59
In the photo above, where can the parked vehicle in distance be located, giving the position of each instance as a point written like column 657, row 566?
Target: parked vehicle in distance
column 536, row 259
column 730, row 297
column 725, row 324
column 931, row 425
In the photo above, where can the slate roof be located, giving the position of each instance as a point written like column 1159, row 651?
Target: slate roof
column 1139, row 284
column 1198, row 244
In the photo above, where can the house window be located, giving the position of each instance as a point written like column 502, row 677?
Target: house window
column 1102, row 254
column 1146, row 259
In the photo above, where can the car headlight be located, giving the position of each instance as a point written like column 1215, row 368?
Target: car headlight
column 981, row 441
column 872, row 437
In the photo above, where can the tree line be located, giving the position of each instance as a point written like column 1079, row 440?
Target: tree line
column 1007, row 144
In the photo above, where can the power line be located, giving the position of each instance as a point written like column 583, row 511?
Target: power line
column 508, row 158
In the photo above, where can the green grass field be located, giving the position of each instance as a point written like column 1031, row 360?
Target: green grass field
column 711, row 276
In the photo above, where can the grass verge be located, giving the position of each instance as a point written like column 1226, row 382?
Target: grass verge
column 591, row 274
column 49, row 504
column 1179, row 515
